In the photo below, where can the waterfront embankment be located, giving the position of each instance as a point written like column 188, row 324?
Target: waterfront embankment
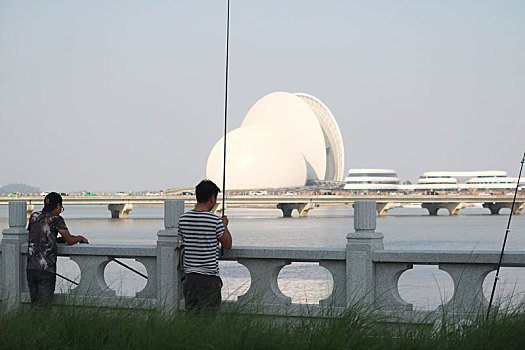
column 424, row 286
column 362, row 271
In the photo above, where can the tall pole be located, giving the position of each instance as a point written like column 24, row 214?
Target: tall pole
column 505, row 239
column 225, row 115
column 225, row 110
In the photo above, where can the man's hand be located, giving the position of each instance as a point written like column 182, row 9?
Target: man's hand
column 71, row 239
column 226, row 239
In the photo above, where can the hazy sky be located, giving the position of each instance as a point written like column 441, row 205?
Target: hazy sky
column 122, row 95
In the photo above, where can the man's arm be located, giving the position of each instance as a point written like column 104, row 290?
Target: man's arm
column 226, row 238
column 71, row 239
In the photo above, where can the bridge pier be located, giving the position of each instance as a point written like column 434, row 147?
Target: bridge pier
column 518, row 207
column 30, row 209
column 302, row 208
column 453, row 208
column 432, row 208
column 120, row 211
column 495, row 207
column 383, row 208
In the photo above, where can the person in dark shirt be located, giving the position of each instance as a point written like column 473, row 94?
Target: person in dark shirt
column 43, row 227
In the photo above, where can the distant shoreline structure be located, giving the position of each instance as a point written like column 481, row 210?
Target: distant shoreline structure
column 387, row 180
column 358, row 181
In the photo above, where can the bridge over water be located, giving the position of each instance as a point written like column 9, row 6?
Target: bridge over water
column 120, row 206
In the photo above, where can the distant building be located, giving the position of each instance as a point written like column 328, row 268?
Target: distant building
column 386, row 180
column 285, row 140
column 372, row 180
column 483, row 180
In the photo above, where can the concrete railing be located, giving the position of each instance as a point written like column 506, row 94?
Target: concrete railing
column 363, row 272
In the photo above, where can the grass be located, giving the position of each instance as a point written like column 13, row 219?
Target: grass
column 68, row 327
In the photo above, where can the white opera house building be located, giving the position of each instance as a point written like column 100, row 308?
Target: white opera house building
column 285, row 140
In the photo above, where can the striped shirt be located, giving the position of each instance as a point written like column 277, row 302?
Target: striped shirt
column 200, row 231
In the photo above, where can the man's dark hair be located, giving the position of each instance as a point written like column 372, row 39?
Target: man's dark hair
column 51, row 201
column 205, row 190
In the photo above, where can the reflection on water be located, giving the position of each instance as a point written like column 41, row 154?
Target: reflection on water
column 404, row 229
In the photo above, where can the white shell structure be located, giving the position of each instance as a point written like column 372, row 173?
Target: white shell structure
column 257, row 157
column 288, row 114
column 335, row 150
column 284, row 140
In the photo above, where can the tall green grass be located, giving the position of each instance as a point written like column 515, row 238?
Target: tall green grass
column 69, row 327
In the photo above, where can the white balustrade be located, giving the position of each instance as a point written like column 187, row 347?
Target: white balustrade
column 468, row 287
column 150, row 290
column 92, row 281
column 263, row 287
column 386, row 284
column 13, row 265
column 337, row 269
column 363, row 272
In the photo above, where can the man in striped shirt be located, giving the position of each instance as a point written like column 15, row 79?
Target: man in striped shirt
column 201, row 231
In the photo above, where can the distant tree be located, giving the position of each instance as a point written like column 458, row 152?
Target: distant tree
column 18, row 187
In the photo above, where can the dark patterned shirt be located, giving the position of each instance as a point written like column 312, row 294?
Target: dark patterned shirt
column 42, row 251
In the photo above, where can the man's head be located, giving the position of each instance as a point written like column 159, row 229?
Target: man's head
column 206, row 190
column 51, row 201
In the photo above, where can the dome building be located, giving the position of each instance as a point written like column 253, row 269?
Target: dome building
column 285, row 140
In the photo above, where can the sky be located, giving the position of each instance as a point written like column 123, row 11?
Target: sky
column 129, row 95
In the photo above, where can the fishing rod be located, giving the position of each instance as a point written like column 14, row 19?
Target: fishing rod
column 225, row 109
column 115, row 260
column 505, row 239
column 67, row 279
column 225, row 114
column 129, row 268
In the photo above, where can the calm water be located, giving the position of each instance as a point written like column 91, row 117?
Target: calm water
column 406, row 229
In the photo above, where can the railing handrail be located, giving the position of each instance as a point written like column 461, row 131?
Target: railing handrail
column 296, row 254
column 435, row 257
column 112, row 250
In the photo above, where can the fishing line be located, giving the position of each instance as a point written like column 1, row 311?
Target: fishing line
column 505, row 239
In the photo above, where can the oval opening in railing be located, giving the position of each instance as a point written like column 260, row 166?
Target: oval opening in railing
column 305, row 283
column 510, row 291
column 69, row 271
column 425, row 287
column 123, row 280
column 235, row 278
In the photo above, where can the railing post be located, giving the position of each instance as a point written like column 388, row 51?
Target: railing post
column 169, row 286
column 12, row 276
column 359, row 247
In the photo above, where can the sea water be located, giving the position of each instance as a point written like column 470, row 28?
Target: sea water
column 403, row 229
